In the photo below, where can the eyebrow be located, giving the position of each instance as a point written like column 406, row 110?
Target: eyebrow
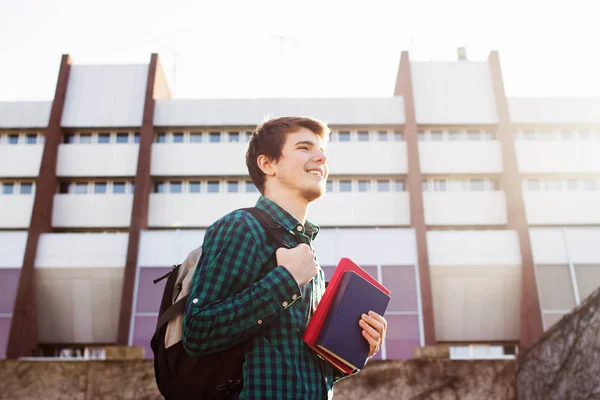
column 308, row 143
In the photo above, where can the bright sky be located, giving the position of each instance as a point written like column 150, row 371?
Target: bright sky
column 254, row 49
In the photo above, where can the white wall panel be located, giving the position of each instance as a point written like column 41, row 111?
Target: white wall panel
column 250, row 112
column 12, row 248
column 105, row 96
column 367, row 246
column 80, row 250
column 92, row 210
column 558, row 156
column 24, row 114
column 463, row 248
column 97, row 160
column 160, row 248
column 204, row 159
column 453, row 93
column 362, row 209
column 558, row 110
column 558, row 246
column 465, row 208
column 562, row 208
column 15, row 211
column 18, row 161
column 367, row 158
column 460, row 158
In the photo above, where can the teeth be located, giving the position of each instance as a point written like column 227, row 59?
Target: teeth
column 314, row 173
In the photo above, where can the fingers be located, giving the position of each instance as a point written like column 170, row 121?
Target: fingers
column 374, row 327
column 376, row 321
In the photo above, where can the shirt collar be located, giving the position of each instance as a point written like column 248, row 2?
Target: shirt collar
column 286, row 220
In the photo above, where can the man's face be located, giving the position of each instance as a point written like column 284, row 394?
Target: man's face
column 302, row 167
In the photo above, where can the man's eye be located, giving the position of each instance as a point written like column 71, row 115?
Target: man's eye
column 303, row 147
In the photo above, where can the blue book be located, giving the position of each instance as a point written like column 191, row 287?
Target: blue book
column 340, row 335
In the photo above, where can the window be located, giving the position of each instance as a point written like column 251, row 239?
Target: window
column 104, row 138
column 345, row 186
column 329, row 187
column 487, row 135
column 534, row 184
column 554, row 185
column 178, row 137
column 247, row 136
column 8, row 188
column 420, row 136
column 118, row 187
column 160, row 187
column 455, row 135
column 68, row 138
column 233, row 187
column 399, row 186
column 122, row 138
column 85, row 139
column 26, row 188
column 437, row 135
column 344, row 136
column 234, row 137
column 100, row 187
column 382, row 136
column 63, row 187
column 213, row 187
column 215, row 137
column 31, row 139
column 566, row 135
column 195, row 187
column 572, row 184
column 440, row 185
column 473, row 135
column 478, row 185
column 136, row 137
column 81, row 188
column 383, row 186
column 364, row 186
column 161, row 138
column 250, row 188
column 398, row 136
column 529, row 135
column 363, row 136
column 176, row 187
column 425, row 186
column 590, row 184
column 196, row 137
column 13, row 139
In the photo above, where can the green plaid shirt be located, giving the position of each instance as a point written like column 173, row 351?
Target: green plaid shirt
column 239, row 291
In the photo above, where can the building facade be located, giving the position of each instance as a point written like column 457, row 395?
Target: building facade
column 480, row 212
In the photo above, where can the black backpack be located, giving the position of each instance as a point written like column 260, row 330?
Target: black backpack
column 215, row 376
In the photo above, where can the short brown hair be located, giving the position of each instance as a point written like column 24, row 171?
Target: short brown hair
column 269, row 137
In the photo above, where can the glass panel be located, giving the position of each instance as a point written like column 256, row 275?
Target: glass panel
column 215, row 137
column 345, row 186
column 118, row 187
column 566, row 135
column 103, row 138
column 26, row 188
column 122, row 138
column 529, row 135
column 584, row 135
column 329, row 187
column 477, row 185
column 161, row 138
column 4, row 332
column 402, row 336
column 328, row 271
column 81, row 188
column 440, row 185
column 421, row 136
column 425, row 186
column 233, row 187
column 234, row 137
column 100, row 187
column 195, row 187
column 31, row 139
column 160, row 187
column 364, row 186
column 176, row 187
column 382, row 136
column 136, row 137
column 13, row 139
column 69, row 139
column 213, row 187
column 554, row 185
column 401, row 280
column 588, row 279
column 9, row 283
column 572, row 184
column 383, row 186
column 487, row 135
column 456, row 135
column 554, row 283
column 534, row 184
column 63, row 187
column 85, row 139
column 178, row 137
column 399, row 186
column 590, row 184
column 196, row 137
column 143, row 331
column 344, row 136
column 250, row 188
column 473, row 135
column 437, row 135
column 149, row 294
column 363, row 136
column 398, row 136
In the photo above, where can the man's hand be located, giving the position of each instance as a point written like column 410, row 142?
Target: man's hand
column 300, row 261
column 374, row 327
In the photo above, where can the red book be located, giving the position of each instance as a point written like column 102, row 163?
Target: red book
column 315, row 324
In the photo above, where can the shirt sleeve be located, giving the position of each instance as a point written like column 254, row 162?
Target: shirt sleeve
column 228, row 300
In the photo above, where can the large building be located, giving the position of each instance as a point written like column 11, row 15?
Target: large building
column 480, row 212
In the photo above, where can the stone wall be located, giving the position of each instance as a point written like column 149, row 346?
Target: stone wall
column 565, row 362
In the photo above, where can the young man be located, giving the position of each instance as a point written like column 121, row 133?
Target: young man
column 241, row 291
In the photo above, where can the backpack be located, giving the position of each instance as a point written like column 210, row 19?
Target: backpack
column 178, row 375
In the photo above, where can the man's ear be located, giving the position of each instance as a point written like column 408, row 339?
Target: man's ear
column 266, row 165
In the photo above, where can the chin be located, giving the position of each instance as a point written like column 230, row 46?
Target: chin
column 313, row 194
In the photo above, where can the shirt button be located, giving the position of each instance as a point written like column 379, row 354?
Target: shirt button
column 299, row 228
column 285, row 304
column 195, row 301
column 294, row 297
column 259, row 321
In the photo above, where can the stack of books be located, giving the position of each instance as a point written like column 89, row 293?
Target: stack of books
column 333, row 331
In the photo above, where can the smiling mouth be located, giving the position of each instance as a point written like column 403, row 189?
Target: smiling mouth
column 316, row 173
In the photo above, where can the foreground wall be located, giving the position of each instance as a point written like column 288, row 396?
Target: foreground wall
column 565, row 362
column 134, row 379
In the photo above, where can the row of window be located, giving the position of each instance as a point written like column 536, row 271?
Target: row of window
column 561, row 185
column 563, row 134
column 460, row 185
column 22, row 138
column 96, row 187
column 205, row 186
column 102, row 138
column 16, row 187
column 455, row 135
column 204, row 137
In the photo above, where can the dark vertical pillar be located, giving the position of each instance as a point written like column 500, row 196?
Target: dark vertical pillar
column 414, row 184
column 22, row 340
column 155, row 87
column 531, row 318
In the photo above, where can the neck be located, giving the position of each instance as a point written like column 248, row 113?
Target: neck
column 297, row 207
